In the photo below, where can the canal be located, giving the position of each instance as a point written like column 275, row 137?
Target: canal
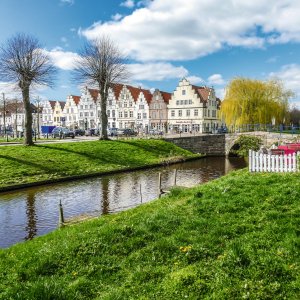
column 31, row 212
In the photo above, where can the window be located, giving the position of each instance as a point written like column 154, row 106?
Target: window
column 125, row 104
column 145, row 115
column 108, row 113
column 113, row 113
column 86, row 107
column 141, row 106
column 181, row 102
column 72, row 110
column 139, row 116
column 130, row 104
column 86, row 114
column 180, row 113
column 190, row 102
column 177, row 102
column 183, row 92
column 213, row 113
column 153, row 114
column 81, row 114
column 91, row 106
column 186, row 102
column 120, row 114
column 91, row 114
column 131, row 114
column 195, row 112
column 172, row 113
column 188, row 113
column 81, row 106
column 208, row 113
column 110, row 103
column 125, row 114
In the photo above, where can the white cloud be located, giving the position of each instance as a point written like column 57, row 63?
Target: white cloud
column 215, row 79
column 195, row 80
column 290, row 75
column 180, row 30
column 62, row 59
column 64, row 40
column 69, row 2
column 156, row 71
column 117, row 17
column 272, row 59
column 128, row 3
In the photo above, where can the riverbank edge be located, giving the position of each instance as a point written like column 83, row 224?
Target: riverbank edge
column 90, row 175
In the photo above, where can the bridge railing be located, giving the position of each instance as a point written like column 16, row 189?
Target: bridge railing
column 264, row 127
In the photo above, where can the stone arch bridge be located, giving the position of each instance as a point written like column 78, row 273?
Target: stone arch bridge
column 220, row 144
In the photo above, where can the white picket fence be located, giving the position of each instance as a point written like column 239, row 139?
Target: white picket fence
column 259, row 162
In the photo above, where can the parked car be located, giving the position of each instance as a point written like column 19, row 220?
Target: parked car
column 129, row 131
column 112, row 131
column 62, row 132
column 155, row 132
column 92, row 131
column 222, row 130
column 79, row 132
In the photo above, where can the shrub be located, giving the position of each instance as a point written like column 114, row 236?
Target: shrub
column 245, row 143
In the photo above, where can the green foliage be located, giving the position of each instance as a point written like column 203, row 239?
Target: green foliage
column 236, row 237
column 245, row 143
column 20, row 164
column 249, row 101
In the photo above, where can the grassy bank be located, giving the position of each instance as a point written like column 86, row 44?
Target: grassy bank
column 23, row 165
column 237, row 237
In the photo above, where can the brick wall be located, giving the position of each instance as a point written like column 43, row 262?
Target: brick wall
column 211, row 145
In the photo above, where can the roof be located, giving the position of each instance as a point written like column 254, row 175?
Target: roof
column 117, row 88
column 76, row 99
column 135, row 92
column 203, row 92
column 62, row 104
column 166, row 96
column 94, row 94
column 52, row 103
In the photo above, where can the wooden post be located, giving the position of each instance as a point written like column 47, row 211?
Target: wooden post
column 159, row 185
column 141, row 193
column 175, row 177
column 61, row 215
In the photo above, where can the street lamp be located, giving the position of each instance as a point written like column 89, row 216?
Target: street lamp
column 4, row 116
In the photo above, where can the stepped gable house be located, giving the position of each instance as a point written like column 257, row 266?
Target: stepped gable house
column 193, row 109
column 159, row 110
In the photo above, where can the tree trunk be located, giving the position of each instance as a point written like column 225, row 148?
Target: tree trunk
column 104, row 121
column 28, row 117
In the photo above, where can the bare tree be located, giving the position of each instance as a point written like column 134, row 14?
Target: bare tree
column 24, row 62
column 101, row 63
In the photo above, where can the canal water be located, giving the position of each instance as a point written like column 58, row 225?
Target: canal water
column 31, row 212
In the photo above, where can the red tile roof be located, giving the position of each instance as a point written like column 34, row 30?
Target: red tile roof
column 117, row 88
column 135, row 92
column 166, row 96
column 52, row 103
column 94, row 94
column 62, row 104
column 76, row 99
column 203, row 92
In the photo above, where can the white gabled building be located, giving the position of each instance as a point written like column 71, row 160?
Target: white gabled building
column 48, row 112
column 112, row 107
column 142, row 110
column 71, row 111
column 89, row 109
column 193, row 109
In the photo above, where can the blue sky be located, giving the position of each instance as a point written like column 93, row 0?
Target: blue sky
column 207, row 41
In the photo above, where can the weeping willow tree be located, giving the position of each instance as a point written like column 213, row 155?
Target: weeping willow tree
column 249, row 101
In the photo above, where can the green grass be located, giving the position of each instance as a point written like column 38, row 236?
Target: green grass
column 21, row 164
column 237, row 237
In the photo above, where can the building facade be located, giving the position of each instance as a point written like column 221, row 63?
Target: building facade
column 193, row 109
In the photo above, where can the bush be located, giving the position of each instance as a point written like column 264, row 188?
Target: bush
column 245, row 143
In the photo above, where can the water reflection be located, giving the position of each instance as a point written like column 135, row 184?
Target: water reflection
column 34, row 211
column 30, row 228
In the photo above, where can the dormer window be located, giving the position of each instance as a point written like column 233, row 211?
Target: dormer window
column 183, row 92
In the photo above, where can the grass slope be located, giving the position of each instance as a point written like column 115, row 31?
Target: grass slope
column 20, row 164
column 237, row 237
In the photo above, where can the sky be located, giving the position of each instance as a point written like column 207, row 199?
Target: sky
column 209, row 42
